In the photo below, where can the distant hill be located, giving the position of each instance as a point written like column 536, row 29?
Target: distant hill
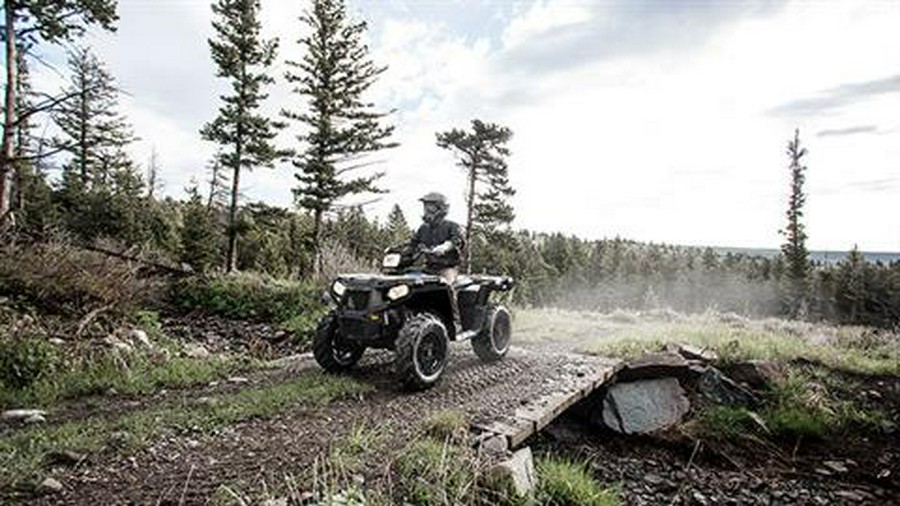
column 825, row 257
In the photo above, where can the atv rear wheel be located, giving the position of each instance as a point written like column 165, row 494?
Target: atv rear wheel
column 332, row 352
column 492, row 343
column 422, row 349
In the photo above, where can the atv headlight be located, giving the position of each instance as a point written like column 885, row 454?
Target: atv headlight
column 338, row 288
column 398, row 292
column 391, row 260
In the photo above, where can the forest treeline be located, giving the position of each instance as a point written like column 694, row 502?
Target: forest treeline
column 550, row 269
column 81, row 186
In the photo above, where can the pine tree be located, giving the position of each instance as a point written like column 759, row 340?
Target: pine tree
column 794, row 250
column 482, row 154
column 93, row 132
column 245, row 135
column 397, row 227
column 26, row 24
column 101, row 191
column 340, row 128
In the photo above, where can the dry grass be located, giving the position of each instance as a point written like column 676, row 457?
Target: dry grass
column 60, row 277
column 733, row 337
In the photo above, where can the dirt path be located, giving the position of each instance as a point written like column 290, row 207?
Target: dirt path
column 265, row 457
column 265, row 453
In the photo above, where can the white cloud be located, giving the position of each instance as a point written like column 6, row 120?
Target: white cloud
column 541, row 17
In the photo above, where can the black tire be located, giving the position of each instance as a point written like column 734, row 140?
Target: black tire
column 331, row 352
column 492, row 343
column 422, row 348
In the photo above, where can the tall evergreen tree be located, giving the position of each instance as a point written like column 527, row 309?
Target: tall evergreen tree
column 27, row 23
column 482, row 154
column 93, row 131
column 794, row 250
column 101, row 191
column 340, row 127
column 246, row 136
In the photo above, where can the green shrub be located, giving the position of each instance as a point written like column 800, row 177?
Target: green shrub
column 24, row 360
column 799, row 421
column 562, row 483
column 249, row 297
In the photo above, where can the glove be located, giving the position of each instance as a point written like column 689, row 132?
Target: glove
column 442, row 248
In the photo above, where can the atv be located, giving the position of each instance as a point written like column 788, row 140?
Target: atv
column 409, row 311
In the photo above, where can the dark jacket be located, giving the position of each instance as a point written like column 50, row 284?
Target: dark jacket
column 430, row 236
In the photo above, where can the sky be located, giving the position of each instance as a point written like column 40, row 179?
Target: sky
column 649, row 120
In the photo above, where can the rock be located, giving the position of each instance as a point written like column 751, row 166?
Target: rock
column 754, row 373
column 654, row 365
column 644, row 406
column 238, row 379
column 690, row 352
column 654, row 479
column 116, row 344
column 22, row 414
column 835, row 466
column 495, row 445
column 66, row 458
column 517, row 473
column 35, row 419
column 196, row 350
column 720, row 389
column 139, row 337
column 50, row 486
column 851, row 495
column 699, row 498
column 57, row 341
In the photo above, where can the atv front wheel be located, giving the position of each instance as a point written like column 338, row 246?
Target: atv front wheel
column 332, row 352
column 492, row 343
column 422, row 348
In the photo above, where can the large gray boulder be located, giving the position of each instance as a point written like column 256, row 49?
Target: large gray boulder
column 644, row 406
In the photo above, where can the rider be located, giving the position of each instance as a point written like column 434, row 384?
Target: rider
column 443, row 239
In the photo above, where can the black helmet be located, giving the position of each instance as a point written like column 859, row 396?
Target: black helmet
column 442, row 207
